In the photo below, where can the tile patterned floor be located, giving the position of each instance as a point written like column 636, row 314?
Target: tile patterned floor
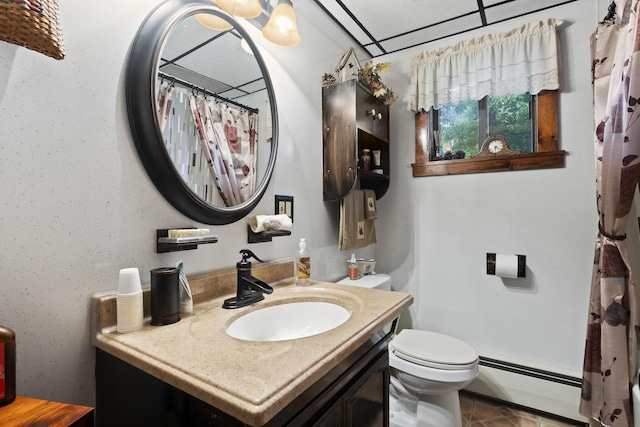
column 479, row 412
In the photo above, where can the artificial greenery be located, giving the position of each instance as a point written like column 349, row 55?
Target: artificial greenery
column 369, row 75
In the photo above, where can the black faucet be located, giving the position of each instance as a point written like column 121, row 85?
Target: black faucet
column 250, row 290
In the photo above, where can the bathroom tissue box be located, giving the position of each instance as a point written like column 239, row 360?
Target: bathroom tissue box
column 508, row 266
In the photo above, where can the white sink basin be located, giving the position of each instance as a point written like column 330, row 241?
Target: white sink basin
column 288, row 321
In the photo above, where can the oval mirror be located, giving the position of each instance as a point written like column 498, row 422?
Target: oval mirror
column 202, row 111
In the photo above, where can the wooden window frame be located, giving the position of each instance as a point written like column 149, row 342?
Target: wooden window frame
column 547, row 155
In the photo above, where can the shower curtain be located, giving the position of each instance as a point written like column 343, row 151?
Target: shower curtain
column 228, row 140
column 611, row 342
column 239, row 131
column 164, row 105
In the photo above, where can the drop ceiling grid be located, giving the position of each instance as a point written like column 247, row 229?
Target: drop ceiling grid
column 384, row 18
column 400, row 24
column 195, row 78
column 519, row 8
column 334, row 9
column 436, row 32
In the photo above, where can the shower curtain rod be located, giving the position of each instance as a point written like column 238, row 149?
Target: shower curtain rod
column 206, row 92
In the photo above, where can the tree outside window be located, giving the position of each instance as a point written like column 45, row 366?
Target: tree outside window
column 465, row 126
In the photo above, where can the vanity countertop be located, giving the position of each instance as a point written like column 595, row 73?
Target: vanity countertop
column 252, row 381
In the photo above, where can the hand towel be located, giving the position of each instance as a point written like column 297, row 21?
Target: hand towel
column 261, row 223
column 370, row 209
column 355, row 231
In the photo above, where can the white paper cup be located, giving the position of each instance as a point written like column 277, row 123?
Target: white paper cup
column 129, row 281
column 129, row 312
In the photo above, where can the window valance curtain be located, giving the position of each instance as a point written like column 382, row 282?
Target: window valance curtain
column 522, row 60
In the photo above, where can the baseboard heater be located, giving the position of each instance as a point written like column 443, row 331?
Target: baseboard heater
column 536, row 387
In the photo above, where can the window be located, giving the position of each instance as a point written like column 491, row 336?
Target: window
column 461, row 129
column 485, row 78
column 544, row 153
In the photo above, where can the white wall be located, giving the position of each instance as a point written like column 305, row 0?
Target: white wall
column 437, row 240
column 76, row 204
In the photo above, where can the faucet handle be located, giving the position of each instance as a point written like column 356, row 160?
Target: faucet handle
column 246, row 254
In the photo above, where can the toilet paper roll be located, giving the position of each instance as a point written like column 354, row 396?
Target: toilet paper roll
column 508, row 266
column 260, row 223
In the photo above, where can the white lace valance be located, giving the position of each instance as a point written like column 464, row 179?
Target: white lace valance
column 522, row 60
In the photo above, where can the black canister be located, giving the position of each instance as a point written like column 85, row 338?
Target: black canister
column 165, row 296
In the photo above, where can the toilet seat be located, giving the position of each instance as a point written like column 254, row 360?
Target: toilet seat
column 433, row 350
column 460, row 377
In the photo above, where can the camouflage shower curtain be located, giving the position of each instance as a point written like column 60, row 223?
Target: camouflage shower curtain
column 611, row 344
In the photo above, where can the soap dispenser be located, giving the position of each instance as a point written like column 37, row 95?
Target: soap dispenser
column 303, row 264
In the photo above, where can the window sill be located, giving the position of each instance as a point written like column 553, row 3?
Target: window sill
column 528, row 161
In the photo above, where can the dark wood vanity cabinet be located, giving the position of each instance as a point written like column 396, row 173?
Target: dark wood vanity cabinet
column 353, row 394
column 353, row 120
column 365, row 403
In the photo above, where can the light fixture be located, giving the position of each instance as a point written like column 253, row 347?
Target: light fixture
column 213, row 22
column 241, row 8
column 281, row 28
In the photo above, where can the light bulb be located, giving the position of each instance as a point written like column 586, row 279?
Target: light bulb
column 241, row 8
column 213, row 22
column 281, row 28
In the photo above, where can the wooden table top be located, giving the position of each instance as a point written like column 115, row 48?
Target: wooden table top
column 29, row 412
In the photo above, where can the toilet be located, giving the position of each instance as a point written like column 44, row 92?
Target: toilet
column 427, row 371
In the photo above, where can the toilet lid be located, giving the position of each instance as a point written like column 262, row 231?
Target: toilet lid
column 434, row 350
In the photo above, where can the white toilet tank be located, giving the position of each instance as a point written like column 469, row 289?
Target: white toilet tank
column 372, row 281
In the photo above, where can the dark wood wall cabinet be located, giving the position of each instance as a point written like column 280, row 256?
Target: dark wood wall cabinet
column 353, row 120
column 546, row 156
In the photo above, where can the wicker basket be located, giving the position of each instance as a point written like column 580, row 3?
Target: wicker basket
column 34, row 24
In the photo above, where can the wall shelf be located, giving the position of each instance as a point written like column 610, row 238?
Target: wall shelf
column 526, row 161
column 164, row 243
column 264, row 236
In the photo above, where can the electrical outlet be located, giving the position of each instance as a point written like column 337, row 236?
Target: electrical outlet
column 284, row 205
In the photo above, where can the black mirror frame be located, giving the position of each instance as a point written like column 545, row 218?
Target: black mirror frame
column 140, row 82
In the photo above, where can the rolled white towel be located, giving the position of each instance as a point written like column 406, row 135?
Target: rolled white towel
column 260, row 223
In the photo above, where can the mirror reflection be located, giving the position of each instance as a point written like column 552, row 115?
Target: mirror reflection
column 213, row 110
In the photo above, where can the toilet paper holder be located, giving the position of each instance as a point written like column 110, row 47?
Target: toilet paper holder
column 521, row 264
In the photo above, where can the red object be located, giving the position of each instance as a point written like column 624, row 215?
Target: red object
column 7, row 366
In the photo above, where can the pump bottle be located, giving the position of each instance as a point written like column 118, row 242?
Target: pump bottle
column 353, row 268
column 303, row 265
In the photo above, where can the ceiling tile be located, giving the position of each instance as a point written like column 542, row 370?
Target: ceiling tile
column 436, row 32
column 384, row 18
column 517, row 8
column 343, row 17
column 374, row 50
